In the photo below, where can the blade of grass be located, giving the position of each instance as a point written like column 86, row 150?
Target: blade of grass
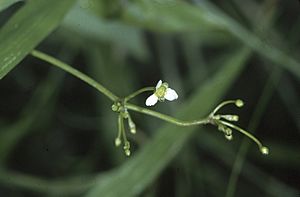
column 27, row 28
column 41, row 103
column 6, row 3
column 289, row 94
column 63, row 187
column 168, row 16
column 268, row 15
column 103, row 65
column 262, row 180
column 168, row 63
column 197, row 68
column 284, row 155
column 89, row 26
column 136, row 174
column 256, row 117
column 264, row 47
column 179, row 16
column 38, row 110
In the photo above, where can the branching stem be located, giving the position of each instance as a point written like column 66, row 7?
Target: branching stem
column 121, row 106
column 69, row 69
column 243, row 132
column 166, row 118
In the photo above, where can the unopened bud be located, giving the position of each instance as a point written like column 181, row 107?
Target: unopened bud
column 117, row 142
column 228, row 137
column 228, row 131
column 239, row 103
column 127, row 152
column 125, row 114
column 127, row 148
column 264, row 150
column 132, row 126
column 133, row 130
column 231, row 117
column 221, row 128
column 114, row 107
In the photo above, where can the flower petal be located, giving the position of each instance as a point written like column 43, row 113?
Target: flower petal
column 171, row 94
column 158, row 84
column 151, row 100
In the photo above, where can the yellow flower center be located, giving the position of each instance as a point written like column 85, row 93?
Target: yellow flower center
column 161, row 91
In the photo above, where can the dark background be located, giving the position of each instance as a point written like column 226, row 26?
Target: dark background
column 57, row 133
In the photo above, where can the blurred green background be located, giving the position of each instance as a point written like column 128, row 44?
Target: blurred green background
column 57, row 133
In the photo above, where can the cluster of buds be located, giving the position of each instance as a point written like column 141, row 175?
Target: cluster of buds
column 225, row 125
column 120, row 108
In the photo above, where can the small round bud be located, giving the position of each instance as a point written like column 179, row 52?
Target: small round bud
column 127, row 152
column 132, row 126
column 125, row 115
column 264, row 150
column 165, row 84
column 221, row 128
column 126, row 146
column 114, row 107
column 235, row 118
column 133, row 130
column 228, row 131
column 239, row 103
column 117, row 142
column 231, row 117
column 228, row 137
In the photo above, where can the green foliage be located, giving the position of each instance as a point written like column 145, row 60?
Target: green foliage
column 6, row 3
column 27, row 28
column 57, row 134
column 141, row 170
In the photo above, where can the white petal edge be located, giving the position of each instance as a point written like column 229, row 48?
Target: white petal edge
column 158, row 84
column 151, row 100
column 171, row 94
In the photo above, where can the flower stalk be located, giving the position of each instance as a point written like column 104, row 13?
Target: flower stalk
column 161, row 92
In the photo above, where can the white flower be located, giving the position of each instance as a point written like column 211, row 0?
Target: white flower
column 162, row 92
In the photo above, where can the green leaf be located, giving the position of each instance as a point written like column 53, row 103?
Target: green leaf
column 6, row 3
column 179, row 16
column 70, row 186
column 266, row 48
column 88, row 25
column 146, row 165
column 168, row 16
column 27, row 28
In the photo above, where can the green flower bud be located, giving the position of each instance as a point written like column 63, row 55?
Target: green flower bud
column 264, row 150
column 117, row 142
column 228, row 137
column 231, row 117
column 239, row 103
column 127, row 152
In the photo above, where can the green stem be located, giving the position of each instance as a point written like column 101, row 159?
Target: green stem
column 243, row 132
column 166, row 117
column 74, row 72
column 120, row 119
column 221, row 105
column 123, row 129
column 146, row 89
